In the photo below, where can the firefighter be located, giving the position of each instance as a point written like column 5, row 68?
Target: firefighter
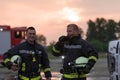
column 33, row 58
column 73, row 47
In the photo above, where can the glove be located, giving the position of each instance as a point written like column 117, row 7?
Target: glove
column 60, row 44
column 63, row 39
column 9, row 65
column 86, row 69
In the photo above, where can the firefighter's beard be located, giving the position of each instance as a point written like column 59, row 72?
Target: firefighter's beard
column 70, row 36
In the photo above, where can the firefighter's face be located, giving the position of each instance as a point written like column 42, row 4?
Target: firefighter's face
column 31, row 36
column 71, row 32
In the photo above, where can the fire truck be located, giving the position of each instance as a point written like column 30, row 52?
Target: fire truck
column 114, row 59
column 9, row 37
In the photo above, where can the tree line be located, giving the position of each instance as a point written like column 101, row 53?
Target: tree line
column 101, row 31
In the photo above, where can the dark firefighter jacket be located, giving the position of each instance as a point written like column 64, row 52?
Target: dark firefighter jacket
column 33, row 59
column 74, row 48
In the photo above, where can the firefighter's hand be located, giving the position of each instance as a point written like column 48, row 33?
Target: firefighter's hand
column 86, row 69
column 60, row 44
column 14, row 67
column 63, row 39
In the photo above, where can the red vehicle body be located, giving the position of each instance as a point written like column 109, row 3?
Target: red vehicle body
column 9, row 37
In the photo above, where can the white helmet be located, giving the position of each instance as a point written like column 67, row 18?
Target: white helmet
column 81, row 62
column 16, row 59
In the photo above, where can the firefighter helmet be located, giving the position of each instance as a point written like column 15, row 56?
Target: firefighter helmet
column 81, row 61
column 15, row 59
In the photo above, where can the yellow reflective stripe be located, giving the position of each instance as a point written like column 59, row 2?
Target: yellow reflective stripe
column 27, row 78
column 47, row 69
column 56, row 51
column 23, row 66
column 74, row 75
column 32, row 53
column 93, row 57
column 39, row 67
column 6, row 60
column 34, row 59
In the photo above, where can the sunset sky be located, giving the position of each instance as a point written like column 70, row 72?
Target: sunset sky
column 50, row 17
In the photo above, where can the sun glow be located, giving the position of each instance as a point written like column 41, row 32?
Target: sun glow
column 70, row 14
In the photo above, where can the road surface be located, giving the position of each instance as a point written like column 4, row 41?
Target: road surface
column 99, row 72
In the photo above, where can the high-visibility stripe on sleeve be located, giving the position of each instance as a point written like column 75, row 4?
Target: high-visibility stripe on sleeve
column 23, row 67
column 27, row 78
column 6, row 60
column 74, row 75
column 34, row 59
column 55, row 50
column 47, row 69
column 39, row 68
column 93, row 57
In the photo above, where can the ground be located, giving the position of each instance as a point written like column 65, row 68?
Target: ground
column 99, row 72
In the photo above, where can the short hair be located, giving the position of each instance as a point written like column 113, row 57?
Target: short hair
column 30, row 28
column 75, row 27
